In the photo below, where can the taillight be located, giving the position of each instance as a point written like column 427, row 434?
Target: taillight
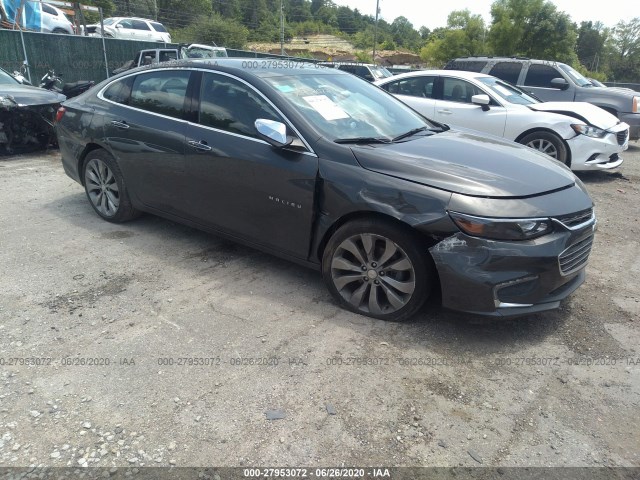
column 60, row 114
column 634, row 107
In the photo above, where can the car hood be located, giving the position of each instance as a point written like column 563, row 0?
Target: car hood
column 28, row 95
column 586, row 112
column 465, row 163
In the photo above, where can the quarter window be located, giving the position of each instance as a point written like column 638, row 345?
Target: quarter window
column 541, row 76
column 507, row 71
column 230, row 105
column 161, row 92
column 119, row 91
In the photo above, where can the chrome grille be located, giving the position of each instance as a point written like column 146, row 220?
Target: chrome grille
column 575, row 257
column 574, row 219
column 622, row 136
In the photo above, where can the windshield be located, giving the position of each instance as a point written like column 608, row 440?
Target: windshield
column 346, row 107
column 381, row 72
column 576, row 76
column 6, row 79
column 507, row 92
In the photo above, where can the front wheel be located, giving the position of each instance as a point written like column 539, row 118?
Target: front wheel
column 376, row 268
column 548, row 143
column 105, row 188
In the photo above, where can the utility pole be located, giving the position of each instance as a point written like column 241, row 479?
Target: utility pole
column 282, row 27
column 375, row 31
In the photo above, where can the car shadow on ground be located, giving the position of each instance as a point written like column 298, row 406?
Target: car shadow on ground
column 433, row 328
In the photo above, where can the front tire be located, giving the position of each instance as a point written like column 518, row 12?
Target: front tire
column 547, row 143
column 377, row 269
column 106, row 189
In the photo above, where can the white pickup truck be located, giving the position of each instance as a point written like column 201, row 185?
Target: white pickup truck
column 157, row 55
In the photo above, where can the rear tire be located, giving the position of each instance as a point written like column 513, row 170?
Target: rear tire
column 547, row 143
column 106, row 189
column 376, row 268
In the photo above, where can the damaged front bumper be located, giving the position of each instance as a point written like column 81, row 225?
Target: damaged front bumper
column 511, row 278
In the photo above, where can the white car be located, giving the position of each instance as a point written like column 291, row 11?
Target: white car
column 55, row 21
column 129, row 28
column 583, row 136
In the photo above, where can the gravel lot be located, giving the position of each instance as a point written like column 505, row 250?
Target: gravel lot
column 152, row 344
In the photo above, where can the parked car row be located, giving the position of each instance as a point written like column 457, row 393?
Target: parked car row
column 579, row 134
column 332, row 172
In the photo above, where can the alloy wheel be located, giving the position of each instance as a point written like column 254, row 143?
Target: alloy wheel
column 102, row 187
column 373, row 274
column 545, row 146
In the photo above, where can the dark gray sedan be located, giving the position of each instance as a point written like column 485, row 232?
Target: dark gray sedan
column 325, row 169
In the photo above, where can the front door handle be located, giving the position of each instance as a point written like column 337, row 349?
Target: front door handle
column 445, row 112
column 202, row 145
column 120, row 125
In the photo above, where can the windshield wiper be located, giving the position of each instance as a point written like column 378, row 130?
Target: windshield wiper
column 363, row 140
column 409, row 133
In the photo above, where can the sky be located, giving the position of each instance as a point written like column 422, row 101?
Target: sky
column 433, row 13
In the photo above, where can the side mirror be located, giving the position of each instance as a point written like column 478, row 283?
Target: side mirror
column 482, row 100
column 119, row 26
column 559, row 83
column 275, row 133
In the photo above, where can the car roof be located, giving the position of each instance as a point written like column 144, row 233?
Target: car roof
column 418, row 73
column 265, row 67
column 134, row 18
column 518, row 59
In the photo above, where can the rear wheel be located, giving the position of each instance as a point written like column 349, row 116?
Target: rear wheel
column 105, row 188
column 548, row 143
column 375, row 268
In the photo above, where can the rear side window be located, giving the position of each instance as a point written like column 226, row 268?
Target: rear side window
column 507, row 71
column 161, row 92
column 414, row 86
column 468, row 65
column 158, row 27
column 540, row 75
column 119, row 91
column 348, row 68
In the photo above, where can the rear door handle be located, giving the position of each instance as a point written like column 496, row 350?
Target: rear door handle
column 445, row 112
column 120, row 125
column 202, row 145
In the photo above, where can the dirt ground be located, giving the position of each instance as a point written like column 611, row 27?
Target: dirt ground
column 153, row 344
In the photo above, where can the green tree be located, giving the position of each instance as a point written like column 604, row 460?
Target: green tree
column 213, row 29
column 590, row 44
column 404, row 34
column 464, row 36
column 625, row 47
column 533, row 28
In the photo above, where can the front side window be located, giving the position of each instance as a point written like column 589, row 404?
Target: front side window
column 457, row 90
column 125, row 24
column 507, row 71
column 540, row 76
column 161, row 92
column 230, row 105
column 139, row 25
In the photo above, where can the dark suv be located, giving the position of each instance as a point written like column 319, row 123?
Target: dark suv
column 368, row 71
column 556, row 82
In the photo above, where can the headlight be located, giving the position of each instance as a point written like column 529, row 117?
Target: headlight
column 502, row 228
column 588, row 130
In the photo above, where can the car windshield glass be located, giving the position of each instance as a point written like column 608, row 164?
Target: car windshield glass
column 345, row 107
column 507, row 92
column 108, row 21
column 6, row 79
column 576, row 76
column 381, row 72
